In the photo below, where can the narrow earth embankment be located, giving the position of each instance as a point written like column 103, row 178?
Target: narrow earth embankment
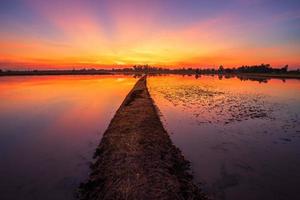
column 136, row 158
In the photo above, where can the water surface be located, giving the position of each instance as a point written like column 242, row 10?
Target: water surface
column 49, row 129
column 242, row 136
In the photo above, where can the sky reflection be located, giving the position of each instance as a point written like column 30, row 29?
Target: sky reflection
column 50, row 127
column 235, row 151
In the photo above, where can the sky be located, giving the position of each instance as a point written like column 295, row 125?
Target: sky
column 48, row 34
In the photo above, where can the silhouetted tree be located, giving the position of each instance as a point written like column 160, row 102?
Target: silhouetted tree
column 221, row 69
column 284, row 69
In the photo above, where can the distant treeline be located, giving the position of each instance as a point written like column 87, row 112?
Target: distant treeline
column 138, row 69
column 54, row 72
column 263, row 68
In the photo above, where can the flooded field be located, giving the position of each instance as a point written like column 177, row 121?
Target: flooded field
column 49, row 129
column 242, row 136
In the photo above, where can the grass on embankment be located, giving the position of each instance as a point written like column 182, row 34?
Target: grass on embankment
column 136, row 158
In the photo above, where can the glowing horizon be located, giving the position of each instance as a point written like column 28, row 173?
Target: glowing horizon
column 172, row 33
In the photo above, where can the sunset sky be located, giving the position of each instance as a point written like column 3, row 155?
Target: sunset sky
column 41, row 34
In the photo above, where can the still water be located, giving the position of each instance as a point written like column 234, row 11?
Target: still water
column 241, row 136
column 49, row 129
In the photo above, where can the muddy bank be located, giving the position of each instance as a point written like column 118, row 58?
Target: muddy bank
column 136, row 158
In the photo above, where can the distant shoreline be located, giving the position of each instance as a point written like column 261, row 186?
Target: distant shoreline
column 53, row 72
column 266, row 75
column 111, row 72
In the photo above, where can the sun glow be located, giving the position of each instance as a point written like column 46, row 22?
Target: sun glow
column 64, row 34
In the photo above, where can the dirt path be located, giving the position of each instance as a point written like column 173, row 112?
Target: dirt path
column 136, row 158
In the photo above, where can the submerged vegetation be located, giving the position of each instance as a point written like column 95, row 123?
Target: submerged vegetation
column 203, row 100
